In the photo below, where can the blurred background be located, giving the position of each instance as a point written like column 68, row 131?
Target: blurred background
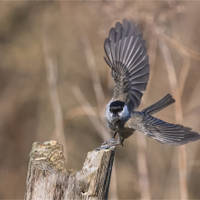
column 54, row 84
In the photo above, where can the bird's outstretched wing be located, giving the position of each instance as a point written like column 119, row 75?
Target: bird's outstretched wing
column 127, row 57
column 163, row 132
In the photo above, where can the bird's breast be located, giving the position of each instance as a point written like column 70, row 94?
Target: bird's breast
column 115, row 124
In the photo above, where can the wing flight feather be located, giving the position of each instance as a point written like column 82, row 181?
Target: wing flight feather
column 127, row 57
column 164, row 132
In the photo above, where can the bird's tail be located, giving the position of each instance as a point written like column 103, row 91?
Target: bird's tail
column 159, row 105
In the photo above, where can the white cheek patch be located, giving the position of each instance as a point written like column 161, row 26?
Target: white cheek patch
column 108, row 114
column 124, row 113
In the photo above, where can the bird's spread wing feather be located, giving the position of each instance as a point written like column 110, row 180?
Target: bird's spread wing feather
column 127, row 57
column 164, row 132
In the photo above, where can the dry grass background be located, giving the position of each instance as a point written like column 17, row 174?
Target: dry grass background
column 54, row 84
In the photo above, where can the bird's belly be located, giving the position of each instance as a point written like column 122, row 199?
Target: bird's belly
column 124, row 132
column 113, row 126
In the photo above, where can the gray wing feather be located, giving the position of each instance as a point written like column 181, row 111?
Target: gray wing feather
column 164, row 132
column 127, row 57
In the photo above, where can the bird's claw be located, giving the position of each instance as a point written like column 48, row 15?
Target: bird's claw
column 103, row 147
column 111, row 141
column 110, row 144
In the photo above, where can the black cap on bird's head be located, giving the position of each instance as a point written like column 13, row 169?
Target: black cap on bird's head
column 116, row 106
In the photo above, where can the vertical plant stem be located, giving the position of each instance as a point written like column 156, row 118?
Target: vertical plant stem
column 141, row 140
column 93, row 71
column 184, row 72
column 52, row 74
column 95, row 78
column 178, row 115
column 142, row 167
column 94, row 120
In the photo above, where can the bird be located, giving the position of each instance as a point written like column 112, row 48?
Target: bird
column 126, row 55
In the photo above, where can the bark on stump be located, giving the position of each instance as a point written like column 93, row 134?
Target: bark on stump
column 49, row 179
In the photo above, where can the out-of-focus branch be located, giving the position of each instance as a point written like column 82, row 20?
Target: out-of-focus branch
column 95, row 77
column 184, row 51
column 152, row 56
column 184, row 54
column 183, row 74
column 181, row 48
column 193, row 109
column 178, row 115
column 73, row 112
column 93, row 71
column 172, row 80
column 174, row 43
column 95, row 121
column 142, row 167
column 52, row 75
column 141, row 140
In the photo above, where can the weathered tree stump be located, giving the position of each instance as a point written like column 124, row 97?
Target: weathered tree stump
column 49, row 179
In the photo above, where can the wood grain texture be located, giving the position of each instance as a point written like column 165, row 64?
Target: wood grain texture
column 48, row 177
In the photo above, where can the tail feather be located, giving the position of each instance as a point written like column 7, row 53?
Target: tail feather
column 159, row 105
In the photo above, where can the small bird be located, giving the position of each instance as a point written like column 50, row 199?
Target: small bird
column 128, row 60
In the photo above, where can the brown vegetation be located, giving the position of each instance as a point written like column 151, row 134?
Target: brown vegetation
column 54, row 84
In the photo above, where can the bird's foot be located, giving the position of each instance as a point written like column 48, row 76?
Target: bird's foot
column 103, row 147
column 108, row 144
column 111, row 141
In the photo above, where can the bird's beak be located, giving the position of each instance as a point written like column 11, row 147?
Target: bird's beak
column 114, row 115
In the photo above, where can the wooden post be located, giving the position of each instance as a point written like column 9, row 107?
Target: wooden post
column 49, row 179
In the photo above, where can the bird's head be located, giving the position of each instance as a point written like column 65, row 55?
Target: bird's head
column 118, row 109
